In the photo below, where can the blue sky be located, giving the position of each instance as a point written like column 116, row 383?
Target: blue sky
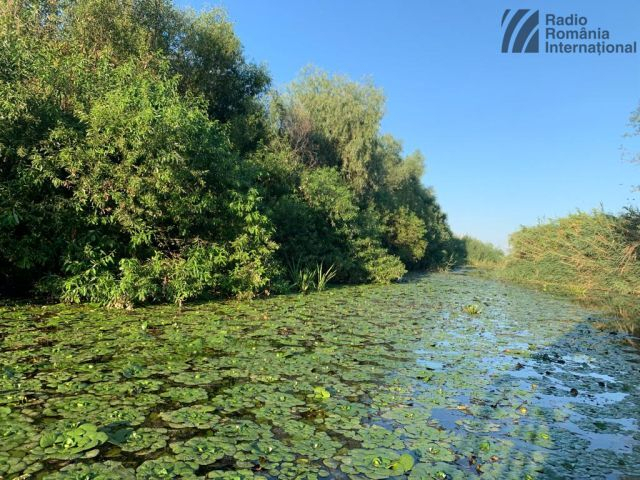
column 509, row 138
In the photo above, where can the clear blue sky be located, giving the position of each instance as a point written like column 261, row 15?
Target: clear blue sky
column 509, row 139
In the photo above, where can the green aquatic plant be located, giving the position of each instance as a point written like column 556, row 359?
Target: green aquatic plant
column 534, row 435
column 321, row 393
column 197, row 416
column 590, row 256
column 433, row 451
column 267, row 453
column 242, row 430
column 302, row 277
column 203, row 450
column 108, row 470
column 472, row 309
column 121, row 415
column 316, row 446
column 299, row 469
column 15, row 430
column 197, row 377
column 166, row 467
column 69, row 441
column 314, row 386
column 377, row 463
column 11, row 465
column 234, row 475
column 142, row 441
column 377, row 436
column 73, row 407
column 185, row 395
column 324, row 276
column 436, row 471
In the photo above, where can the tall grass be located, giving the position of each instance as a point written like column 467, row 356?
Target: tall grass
column 323, row 277
column 305, row 279
column 594, row 257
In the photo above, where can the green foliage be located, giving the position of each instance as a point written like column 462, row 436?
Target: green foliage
column 203, row 450
column 324, row 190
column 70, row 441
column 343, row 119
column 318, row 386
column 594, row 257
column 377, row 463
column 166, row 467
column 472, row 309
column 406, row 234
column 108, row 470
column 478, row 253
column 324, row 276
column 301, row 277
column 376, row 264
column 145, row 189
column 305, row 279
column 140, row 162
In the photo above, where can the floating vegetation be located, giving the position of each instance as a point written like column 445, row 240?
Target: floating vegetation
column 141, row 441
column 67, row 441
column 472, row 309
column 359, row 382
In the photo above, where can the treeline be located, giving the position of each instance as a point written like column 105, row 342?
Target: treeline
column 594, row 257
column 477, row 253
column 143, row 158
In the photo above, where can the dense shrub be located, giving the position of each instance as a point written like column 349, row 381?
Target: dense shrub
column 142, row 158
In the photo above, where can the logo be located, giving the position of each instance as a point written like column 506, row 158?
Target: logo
column 521, row 32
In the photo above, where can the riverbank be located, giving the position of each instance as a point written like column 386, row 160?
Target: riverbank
column 590, row 257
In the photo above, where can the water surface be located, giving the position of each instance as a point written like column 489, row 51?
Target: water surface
column 357, row 382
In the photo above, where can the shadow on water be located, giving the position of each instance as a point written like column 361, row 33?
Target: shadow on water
column 396, row 381
column 552, row 396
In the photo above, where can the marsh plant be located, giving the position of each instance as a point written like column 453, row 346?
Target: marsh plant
column 324, row 276
column 305, row 279
column 319, row 386
column 593, row 257
column 472, row 309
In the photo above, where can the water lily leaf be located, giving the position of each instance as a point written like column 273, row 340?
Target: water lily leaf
column 234, row 475
column 321, row 393
column 185, row 395
column 108, row 470
column 142, row 440
column 378, row 463
column 69, row 441
column 203, row 450
column 436, row 471
column 197, row 416
column 166, row 467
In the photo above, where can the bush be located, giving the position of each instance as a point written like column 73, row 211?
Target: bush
column 140, row 162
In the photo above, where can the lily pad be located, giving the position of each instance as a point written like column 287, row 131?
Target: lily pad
column 66, row 442
column 94, row 471
column 166, row 467
column 203, row 450
column 378, row 463
column 197, row 416
column 436, row 471
column 142, row 441
column 185, row 395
